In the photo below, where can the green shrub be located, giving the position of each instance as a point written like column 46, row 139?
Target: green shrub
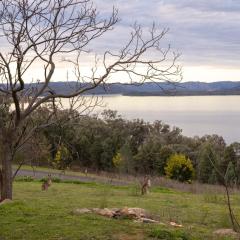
column 180, row 168
column 163, row 234
column 56, row 180
column 24, row 179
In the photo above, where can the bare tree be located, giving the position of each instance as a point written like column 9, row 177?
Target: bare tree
column 46, row 32
column 234, row 221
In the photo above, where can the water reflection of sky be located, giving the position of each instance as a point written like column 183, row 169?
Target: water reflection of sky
column 195, row 115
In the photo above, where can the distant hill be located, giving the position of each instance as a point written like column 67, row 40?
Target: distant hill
column 153, row 89
column 157, row 89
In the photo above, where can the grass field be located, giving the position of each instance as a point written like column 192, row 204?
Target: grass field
column 48, row 215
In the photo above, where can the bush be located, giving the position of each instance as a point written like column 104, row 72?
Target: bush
column 24, row 179
column 164, row 234
column 54, row 180
column 180, row 168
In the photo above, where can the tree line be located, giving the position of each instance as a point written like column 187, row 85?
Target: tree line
column 111, row 143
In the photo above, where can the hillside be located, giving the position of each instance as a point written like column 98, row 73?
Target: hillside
column 184, row 88
column 149, row 88
column 48, row 215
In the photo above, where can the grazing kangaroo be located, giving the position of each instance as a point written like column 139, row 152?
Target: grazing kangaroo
column 47, row 183
column 146, row 185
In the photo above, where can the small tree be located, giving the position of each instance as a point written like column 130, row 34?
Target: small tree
column 62, row 158
column 180, row 168
column 206, row 172
column 148, row 157
column 230, row 175
column 127, row 157
column 117, row 161
column 226, row 183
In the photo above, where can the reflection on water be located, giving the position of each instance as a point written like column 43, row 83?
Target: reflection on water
column 195, row 115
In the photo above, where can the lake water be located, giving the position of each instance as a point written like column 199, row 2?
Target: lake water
column 195, row 115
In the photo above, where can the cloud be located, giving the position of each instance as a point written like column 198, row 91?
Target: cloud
column 205, row 32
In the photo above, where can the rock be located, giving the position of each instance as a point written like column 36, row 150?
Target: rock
column 175, row 224
column 95, row 210
column 5, row 201
column 105, row 212
column 80, row 211
column 138, row 214
column 115, row 209
column 227, row 232
column 125, row 213
column 148, row 220
column 132, row 213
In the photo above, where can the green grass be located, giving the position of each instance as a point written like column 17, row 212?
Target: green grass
column 39, row 215
column 69, row 172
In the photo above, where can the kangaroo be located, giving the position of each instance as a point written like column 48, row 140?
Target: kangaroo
column 146, row 185
column 47, row 183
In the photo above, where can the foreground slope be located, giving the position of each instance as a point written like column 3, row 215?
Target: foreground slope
column 36, row 214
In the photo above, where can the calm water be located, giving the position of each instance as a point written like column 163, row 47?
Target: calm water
column 195, row 115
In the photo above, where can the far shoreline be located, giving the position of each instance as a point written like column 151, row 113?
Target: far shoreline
column 163, row 95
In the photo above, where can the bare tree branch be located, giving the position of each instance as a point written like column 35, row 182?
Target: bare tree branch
column 45, row 32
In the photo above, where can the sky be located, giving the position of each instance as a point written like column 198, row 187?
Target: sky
column 205, row 32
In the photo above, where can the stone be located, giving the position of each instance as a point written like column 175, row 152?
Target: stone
column 137, row 214
column 132, row 213
column 125, row 213
column 148, row 220
column 80, row 211
column 115, row 209
column 95, row 210
column 105, row 212
column 176, row 225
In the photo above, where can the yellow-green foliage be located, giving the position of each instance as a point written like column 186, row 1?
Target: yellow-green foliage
column 179, row 167
column 61, row 158
column 117, row 160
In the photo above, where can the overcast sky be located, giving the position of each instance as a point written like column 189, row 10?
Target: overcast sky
column 205, row 32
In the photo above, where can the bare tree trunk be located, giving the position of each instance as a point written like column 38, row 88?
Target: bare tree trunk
column 1, row 183
column 6, row 178
column 234, row 220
